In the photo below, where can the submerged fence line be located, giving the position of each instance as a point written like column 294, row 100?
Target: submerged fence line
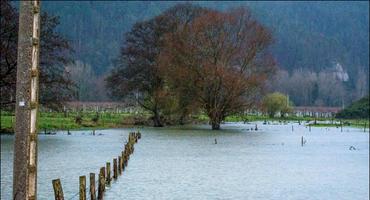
column 104, row 177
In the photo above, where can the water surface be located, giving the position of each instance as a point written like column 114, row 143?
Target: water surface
column 184, row 163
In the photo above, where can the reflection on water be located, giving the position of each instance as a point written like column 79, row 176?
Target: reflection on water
column 184, row 163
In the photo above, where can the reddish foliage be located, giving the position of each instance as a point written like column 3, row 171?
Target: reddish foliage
column 220, row 59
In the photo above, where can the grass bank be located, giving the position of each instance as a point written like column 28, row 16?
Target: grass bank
column 52, row 121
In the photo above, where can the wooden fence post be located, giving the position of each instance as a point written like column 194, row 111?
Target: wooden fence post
column 108, row 179
column 101, row 187
column 104, row 178
column 119, row 165
column 123, row 160
column 127, row 154
column 92, row 186
column 115, row 168
column 82, row 187
column 58, row 191
column 126, row 160
column 302, row 141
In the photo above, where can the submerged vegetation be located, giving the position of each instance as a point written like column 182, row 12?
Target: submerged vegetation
column 50, row 122
column 276, row 102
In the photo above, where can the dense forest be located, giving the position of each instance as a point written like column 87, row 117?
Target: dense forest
column 319, row 46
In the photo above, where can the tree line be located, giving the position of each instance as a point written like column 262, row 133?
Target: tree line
column 191, row 59
column 308, row 35
column 329, row 87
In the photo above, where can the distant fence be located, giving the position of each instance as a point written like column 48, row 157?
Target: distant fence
column 115, row 107
column 104, row 178
column 304, row 111
column 323, row 112
column 124, row 107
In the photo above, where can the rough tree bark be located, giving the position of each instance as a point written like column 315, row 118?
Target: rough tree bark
column 25, row 144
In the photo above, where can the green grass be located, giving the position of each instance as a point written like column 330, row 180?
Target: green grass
column 359, row 123
column 7, row 123
column 59, row 121
column 51, row 121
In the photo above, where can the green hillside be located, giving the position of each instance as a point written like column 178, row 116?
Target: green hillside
column 313, row 36
column 307, row 34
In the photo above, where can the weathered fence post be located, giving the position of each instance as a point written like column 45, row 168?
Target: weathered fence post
column 101, row 187
column 115, row 168
column 126, row 159
column 82, row 187
column 309, row 127
column 92, row 186
column 58, row 191
column 119, row 165
column 302, row 141
column 104, row 178
column 108, row 179
column 123, row 161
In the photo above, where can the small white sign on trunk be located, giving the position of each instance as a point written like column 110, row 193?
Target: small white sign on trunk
column 22, row 103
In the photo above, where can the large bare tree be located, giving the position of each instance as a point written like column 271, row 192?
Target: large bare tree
column 136, row 74
column 221, row 59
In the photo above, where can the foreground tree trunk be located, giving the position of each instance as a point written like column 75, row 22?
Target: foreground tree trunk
column 25, row 142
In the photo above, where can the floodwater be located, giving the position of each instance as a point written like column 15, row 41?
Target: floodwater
column 185, row 163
